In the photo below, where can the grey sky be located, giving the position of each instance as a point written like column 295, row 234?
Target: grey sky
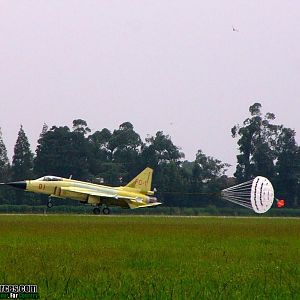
column 175, row 66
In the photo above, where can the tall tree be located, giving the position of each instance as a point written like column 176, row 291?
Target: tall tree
column 44, row 130
column 80, row 126
column 22, row 162
column 100, row 154
column 5, row 195
column 125, row 146
column 124, row 139
column 164, row 157
column 4, row 162
column 208, row 168
column 287, row 166
column 160, row 149
column 268, row 150
column 61, row 152
column 206, row 177
column 257, row 145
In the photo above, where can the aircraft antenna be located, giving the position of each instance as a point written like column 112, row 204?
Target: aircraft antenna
column 256, row 194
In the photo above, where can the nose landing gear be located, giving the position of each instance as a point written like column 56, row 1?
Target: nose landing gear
column 49, row 204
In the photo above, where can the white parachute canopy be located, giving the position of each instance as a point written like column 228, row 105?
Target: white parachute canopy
column 256, row 194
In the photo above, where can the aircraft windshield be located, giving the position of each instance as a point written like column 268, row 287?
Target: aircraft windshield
column 50, row 178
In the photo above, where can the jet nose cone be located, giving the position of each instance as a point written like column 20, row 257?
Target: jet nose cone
column 18, row 184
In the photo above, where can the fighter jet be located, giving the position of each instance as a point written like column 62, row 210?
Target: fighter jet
column 136, row 194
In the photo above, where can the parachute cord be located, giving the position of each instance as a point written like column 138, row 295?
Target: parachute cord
column 216, row 194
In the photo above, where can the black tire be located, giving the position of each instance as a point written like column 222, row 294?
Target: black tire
column 106, row 211
column 96, row 211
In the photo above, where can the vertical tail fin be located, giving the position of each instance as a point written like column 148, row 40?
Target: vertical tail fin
column 142, row 181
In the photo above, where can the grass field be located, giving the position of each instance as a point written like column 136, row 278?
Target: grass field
column 86, row 257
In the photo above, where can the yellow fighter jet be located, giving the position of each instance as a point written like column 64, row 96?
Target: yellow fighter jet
column 137, row 193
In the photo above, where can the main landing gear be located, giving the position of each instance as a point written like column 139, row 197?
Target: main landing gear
column 49, row 204
column 96, row 211
column 105, row 210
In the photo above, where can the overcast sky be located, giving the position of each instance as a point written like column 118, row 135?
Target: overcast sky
column 176, row 66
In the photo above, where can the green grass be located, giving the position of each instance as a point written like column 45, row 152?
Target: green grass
column 86, row 257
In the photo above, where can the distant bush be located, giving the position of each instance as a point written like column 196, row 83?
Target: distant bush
column 210, row 210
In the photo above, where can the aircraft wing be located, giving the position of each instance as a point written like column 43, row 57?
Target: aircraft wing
column 88, row 192
column 92, row 192
column 131, row 201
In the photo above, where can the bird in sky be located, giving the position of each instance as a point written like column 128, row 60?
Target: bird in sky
column 235, row 29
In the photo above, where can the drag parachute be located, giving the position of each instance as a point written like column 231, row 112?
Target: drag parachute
column 256, row 194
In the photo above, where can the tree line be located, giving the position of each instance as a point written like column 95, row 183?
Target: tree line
column 115, row 157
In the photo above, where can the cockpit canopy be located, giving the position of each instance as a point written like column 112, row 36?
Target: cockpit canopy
column 50, row 178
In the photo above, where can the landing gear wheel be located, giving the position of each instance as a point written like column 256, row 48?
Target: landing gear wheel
column 96, row 211
column 106, row 211
column 49, row 204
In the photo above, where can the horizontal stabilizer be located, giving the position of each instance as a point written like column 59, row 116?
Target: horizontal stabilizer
column 134, row 205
